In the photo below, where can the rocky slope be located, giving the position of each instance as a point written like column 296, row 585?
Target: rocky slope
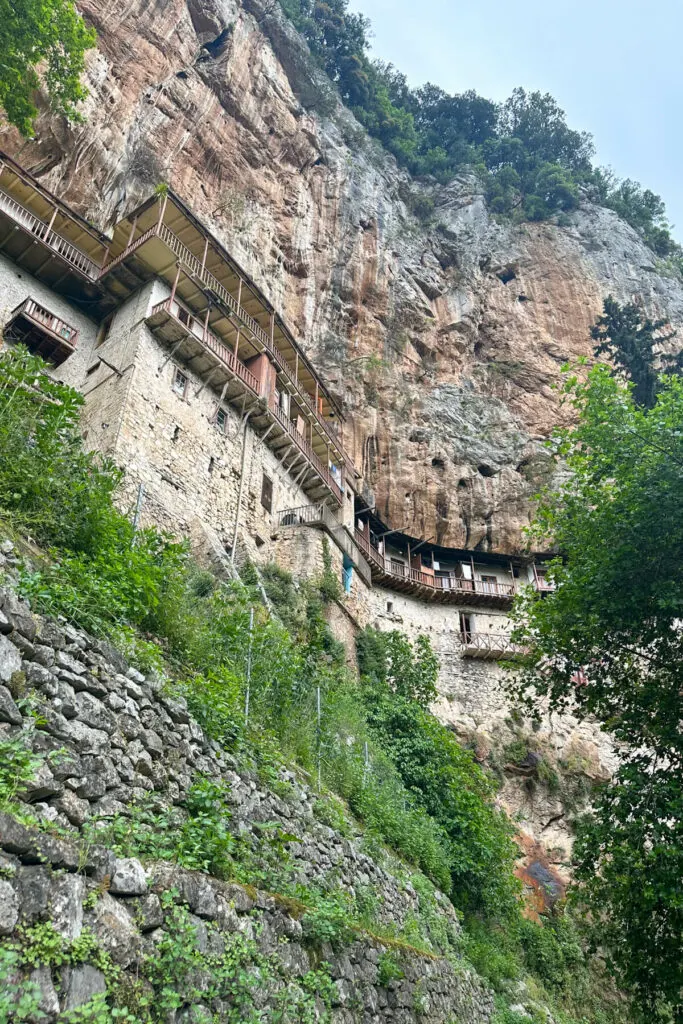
column 444, row 340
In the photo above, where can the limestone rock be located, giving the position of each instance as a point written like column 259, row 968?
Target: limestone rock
column 9, row 907
column 10, row 662
column 81, row 984
column 48, row 1004
column 66, row 905
column 129, row 878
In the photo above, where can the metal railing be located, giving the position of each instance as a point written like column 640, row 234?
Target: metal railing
column 494, row 644
column 194, row 265
column 210, row 341
column 320, row 515
column 39, row 315
column 66, row 250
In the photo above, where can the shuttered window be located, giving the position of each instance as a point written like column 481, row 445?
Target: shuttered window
column 267, row 493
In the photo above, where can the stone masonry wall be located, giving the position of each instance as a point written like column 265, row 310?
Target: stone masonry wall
column 122, row 738
column 190, row 469
column 16, row 285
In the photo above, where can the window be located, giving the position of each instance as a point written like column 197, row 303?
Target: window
column 103, row 331
column 179, row 383
column 221, row 420
column 490, row 583
column 390, row 607
column 183, row 316
column 267, row 493
column 212, row 463
column 466, row 627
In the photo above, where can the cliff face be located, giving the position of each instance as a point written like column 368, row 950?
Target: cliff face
column 443, row 339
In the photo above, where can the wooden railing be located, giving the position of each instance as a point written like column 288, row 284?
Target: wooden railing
column 307, row 450
column 39, row 315
column 195, row 328
column 66, row 250
column 493, row 644
column 451, row 582
column 194, row 265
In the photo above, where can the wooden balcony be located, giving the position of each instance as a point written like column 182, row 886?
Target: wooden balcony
column 491, row 647
column 41, row 331
column 201, row 349
column 321, row 517
column 41, row 232
column 154, row 247
column 447, row 589
column 210, row 358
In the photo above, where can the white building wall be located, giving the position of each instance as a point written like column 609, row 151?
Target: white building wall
column 16, row 285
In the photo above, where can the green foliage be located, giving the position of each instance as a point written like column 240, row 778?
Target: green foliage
column 196, row 836
column 531, row 163
column 447, row 783
column 630, row 339
column 388, row 968
column 100, row 574
column 389, row 658
column 327, row 918
column 42, row 45
column 20, row 998
column 608, row 642
column 18, row 763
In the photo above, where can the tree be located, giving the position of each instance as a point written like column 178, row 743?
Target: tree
column 630, row 339
column 42, row 44
column 608, row 642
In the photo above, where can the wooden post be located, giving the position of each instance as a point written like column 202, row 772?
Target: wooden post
column 272, row 329
column 206, row 249
column 175, row 284
column 162, row 209
column 473, row 583
column 237, row 342
column 52, row 220
column 296, row 367
column 316, row 398
column 239, row 292
column 132, row 232
column 206, row 322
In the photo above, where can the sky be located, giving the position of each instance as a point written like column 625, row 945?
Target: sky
column 614, row 66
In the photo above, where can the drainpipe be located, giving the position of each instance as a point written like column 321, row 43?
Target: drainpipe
column 233, row 549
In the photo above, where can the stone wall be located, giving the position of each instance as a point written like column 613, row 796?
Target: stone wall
column 122, row 738
column 171, row 444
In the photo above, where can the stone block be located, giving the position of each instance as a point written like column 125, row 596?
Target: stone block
column 76, row 809
column 48, row 1004
column 81, row 984
column 9, row 907
column 10, row 659
column 43, row 786
column 129, row 878
column 66, row 905
column 9, row 712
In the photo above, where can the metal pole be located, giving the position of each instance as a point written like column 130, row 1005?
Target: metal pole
column 138, row 509
column 241, row 489
column 248, row 695
column 319, row 737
